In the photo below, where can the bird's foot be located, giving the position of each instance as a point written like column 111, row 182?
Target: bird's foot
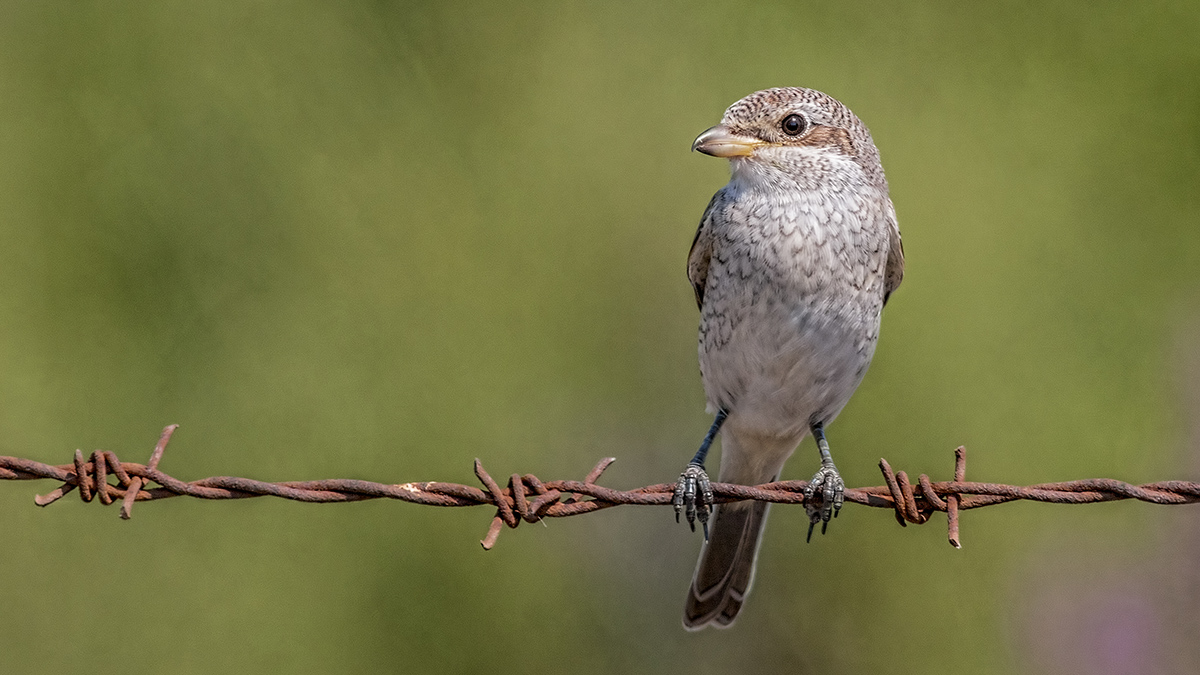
column 693, row 496
column 823, row 496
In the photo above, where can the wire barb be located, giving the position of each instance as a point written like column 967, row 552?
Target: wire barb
column 529, row 499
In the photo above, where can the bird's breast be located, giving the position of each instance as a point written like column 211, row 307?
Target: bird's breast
column 793, row 293
column 801, row 243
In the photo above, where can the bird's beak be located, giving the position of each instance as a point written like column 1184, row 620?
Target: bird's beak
column 719, row 141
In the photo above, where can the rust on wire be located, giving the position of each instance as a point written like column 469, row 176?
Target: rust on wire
column 526, row 498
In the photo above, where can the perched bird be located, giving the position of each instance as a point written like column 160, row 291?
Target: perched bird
column 792, row 264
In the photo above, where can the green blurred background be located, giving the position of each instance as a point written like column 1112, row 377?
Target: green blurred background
column 378, row 240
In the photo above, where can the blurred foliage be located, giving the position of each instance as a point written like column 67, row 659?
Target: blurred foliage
column 380, row 239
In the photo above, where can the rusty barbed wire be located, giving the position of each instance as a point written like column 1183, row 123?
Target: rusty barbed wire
column 527, row 498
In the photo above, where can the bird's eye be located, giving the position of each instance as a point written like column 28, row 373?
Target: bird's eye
column 793, row 125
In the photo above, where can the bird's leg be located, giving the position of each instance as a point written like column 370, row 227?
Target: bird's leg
column 827, row 483
column 693, row 493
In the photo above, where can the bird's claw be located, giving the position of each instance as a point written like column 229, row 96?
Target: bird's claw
column 694, row 497
column 823, row 497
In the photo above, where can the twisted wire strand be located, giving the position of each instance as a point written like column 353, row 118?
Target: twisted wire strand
column 527, row 498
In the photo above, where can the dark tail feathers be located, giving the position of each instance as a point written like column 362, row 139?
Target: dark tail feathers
column 726, row 567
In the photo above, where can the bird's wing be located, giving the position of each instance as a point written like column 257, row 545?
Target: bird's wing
column 894, row 272
column 702, row 246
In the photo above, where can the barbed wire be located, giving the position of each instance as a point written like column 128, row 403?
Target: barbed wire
column 527, row 498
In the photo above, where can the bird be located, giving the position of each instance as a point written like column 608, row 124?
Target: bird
column 792, row 264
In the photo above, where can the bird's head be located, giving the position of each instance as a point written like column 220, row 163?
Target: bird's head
column 790, row 128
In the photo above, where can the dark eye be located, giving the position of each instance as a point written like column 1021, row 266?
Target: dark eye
column 793, row 125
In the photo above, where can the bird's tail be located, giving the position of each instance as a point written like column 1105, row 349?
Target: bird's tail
column 726, row 568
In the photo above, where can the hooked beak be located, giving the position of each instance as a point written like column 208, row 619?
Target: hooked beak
column 720, row 141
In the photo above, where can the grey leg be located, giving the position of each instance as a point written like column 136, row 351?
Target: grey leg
column 827, row 483
column 693, row 492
